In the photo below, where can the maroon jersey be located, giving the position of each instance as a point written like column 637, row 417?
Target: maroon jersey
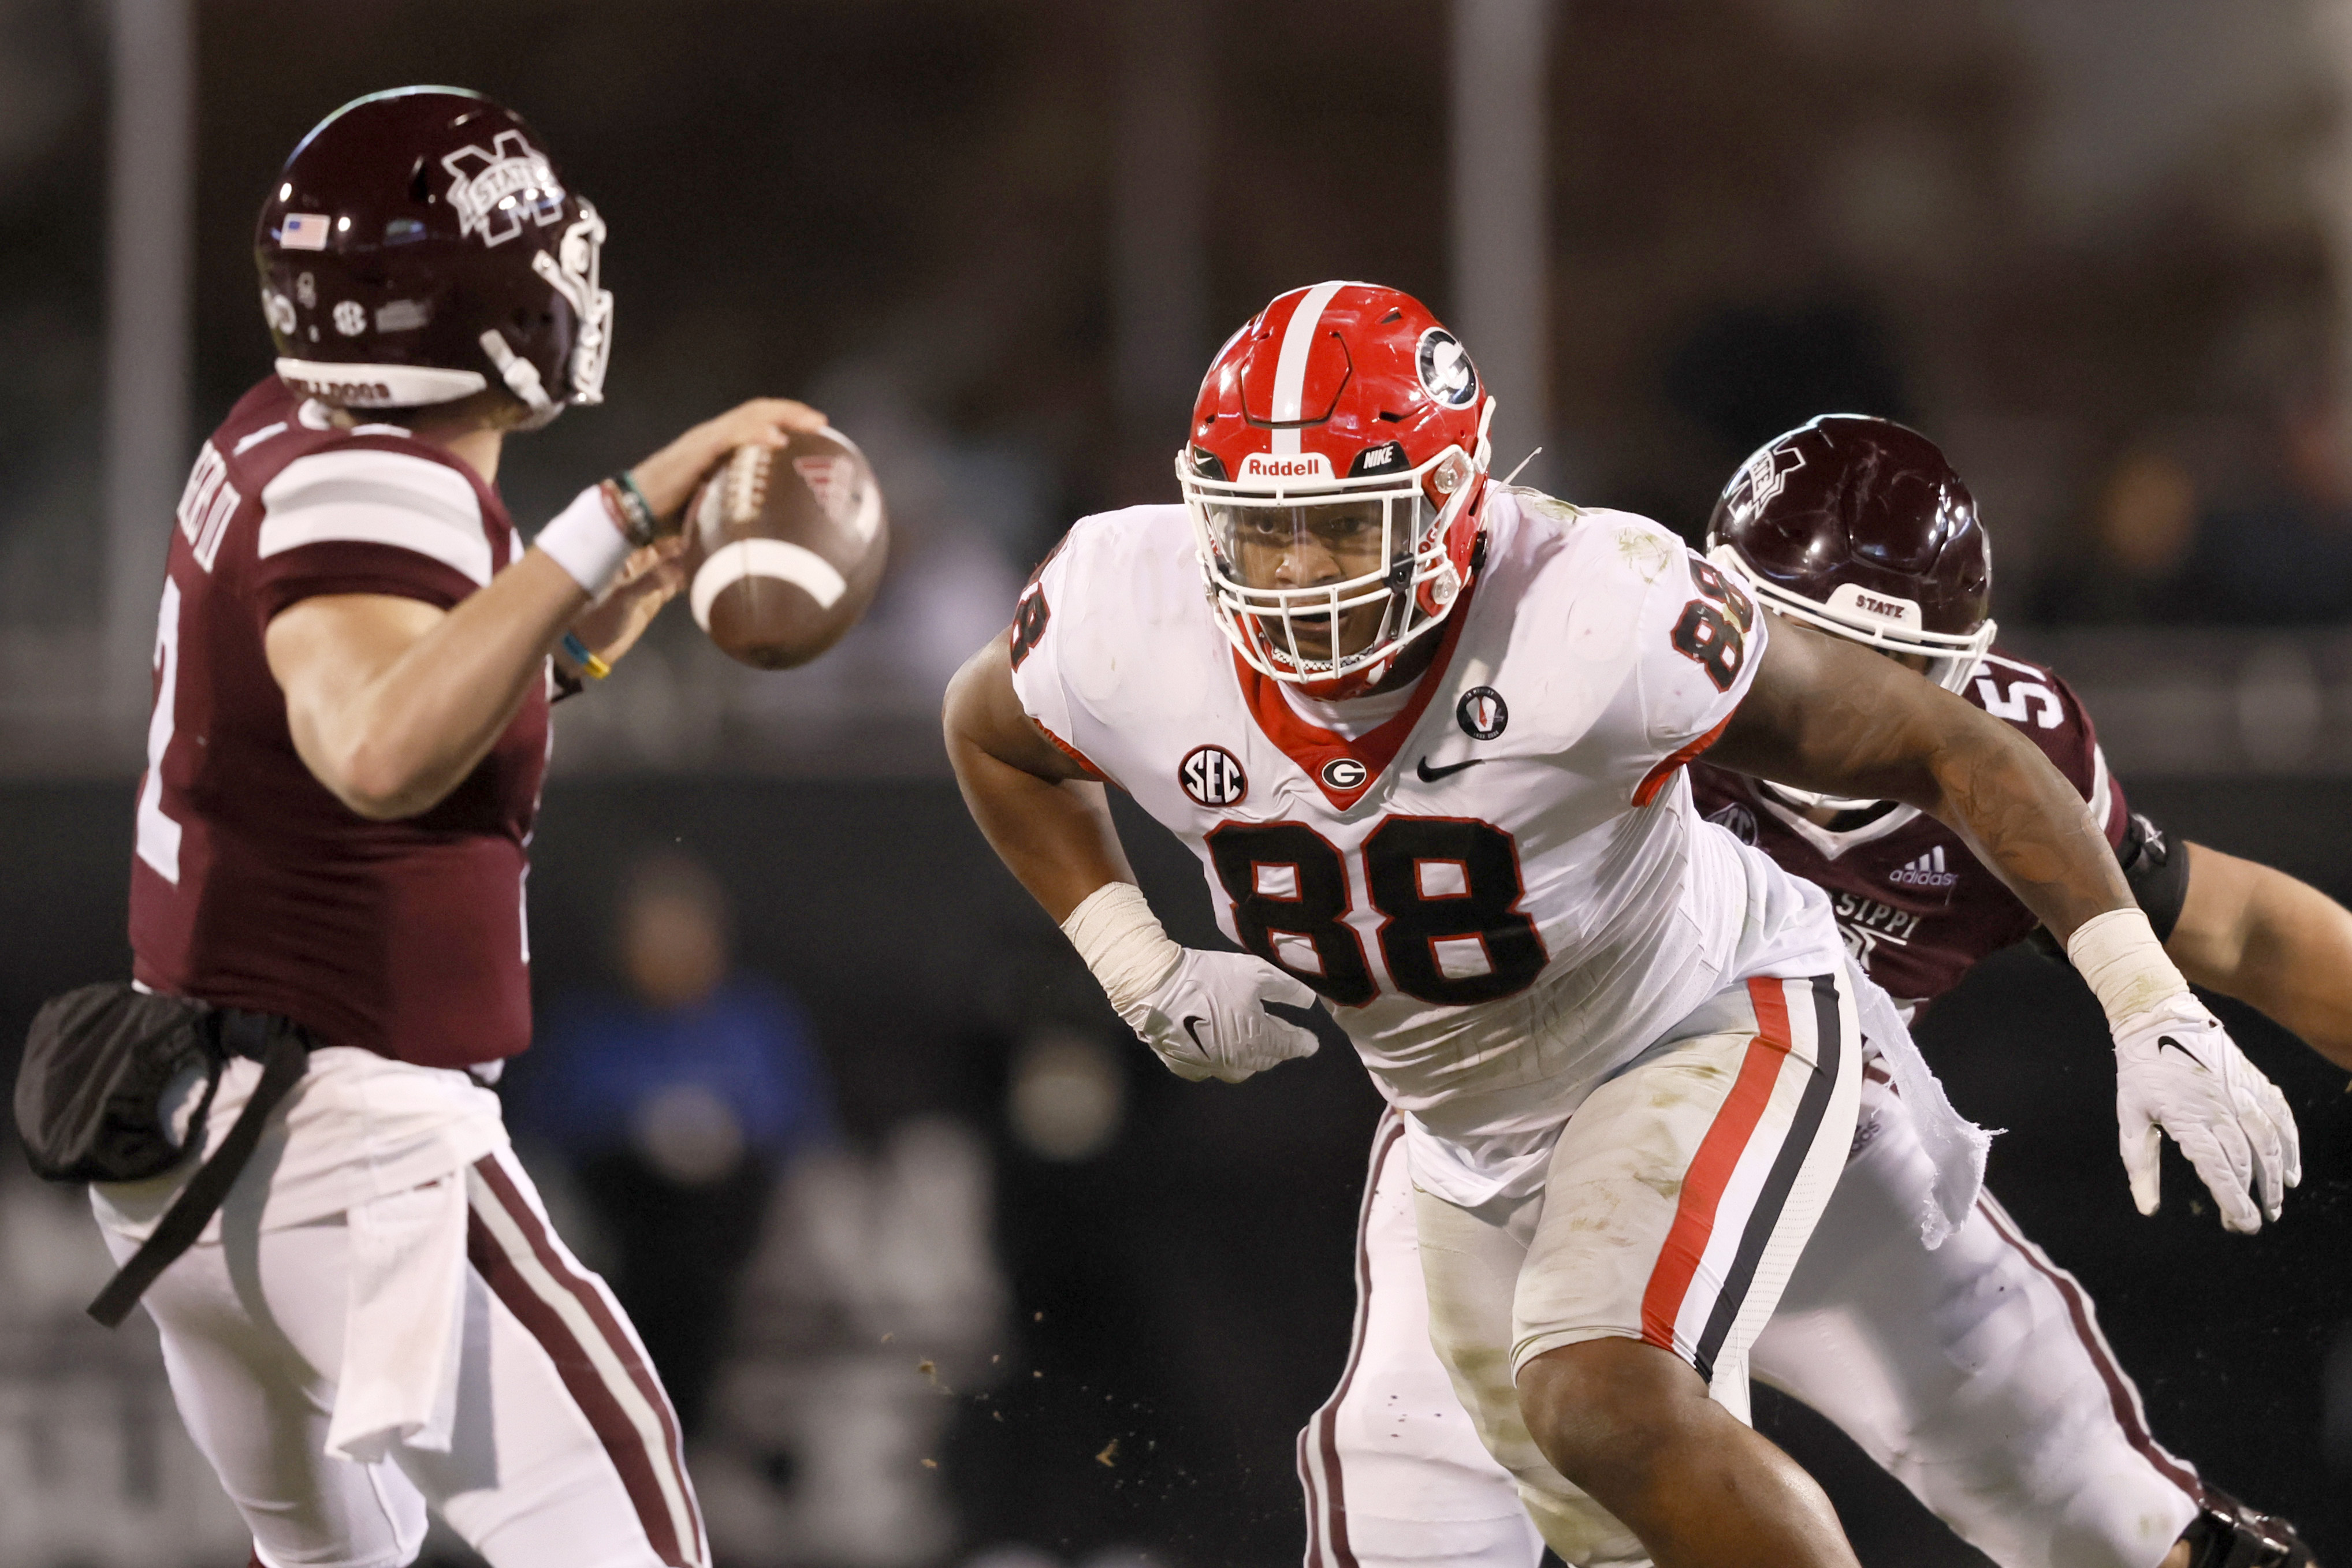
column 1916, row 909
column 252, row 885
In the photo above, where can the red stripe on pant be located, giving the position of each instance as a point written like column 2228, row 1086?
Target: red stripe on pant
column 622, row 1442
column 1711, row 1168
column 2123, row 1400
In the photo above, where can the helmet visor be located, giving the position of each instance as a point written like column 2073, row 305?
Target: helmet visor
column 1326, row 581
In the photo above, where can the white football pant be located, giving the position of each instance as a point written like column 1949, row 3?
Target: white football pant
column 565, row 1453
column 1975, row 1374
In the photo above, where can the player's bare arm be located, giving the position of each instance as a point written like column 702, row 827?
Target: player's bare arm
column 2254, row 933
column 1039, row 810
column 392, row 701
column 1826, row 715
column 1205, row 1013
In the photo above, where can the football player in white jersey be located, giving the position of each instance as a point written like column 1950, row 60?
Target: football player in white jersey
column 1427, row 736
column 1974, row 1370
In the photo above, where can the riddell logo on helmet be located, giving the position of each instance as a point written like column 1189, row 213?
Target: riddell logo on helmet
column 1289, row 465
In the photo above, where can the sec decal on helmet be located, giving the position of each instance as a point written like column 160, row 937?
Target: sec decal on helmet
column 419, row 247
column 1335, row 477
column 1859, row 527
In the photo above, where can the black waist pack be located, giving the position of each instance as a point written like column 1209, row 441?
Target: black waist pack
column 89, row 1105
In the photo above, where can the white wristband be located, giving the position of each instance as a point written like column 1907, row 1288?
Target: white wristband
column 1123, row 943
column 585, row 542
column 2123, row 963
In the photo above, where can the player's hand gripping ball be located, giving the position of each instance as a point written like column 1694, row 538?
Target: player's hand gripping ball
column 785, row 548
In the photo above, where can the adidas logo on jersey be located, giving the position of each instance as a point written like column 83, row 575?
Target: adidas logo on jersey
column 1928, row 871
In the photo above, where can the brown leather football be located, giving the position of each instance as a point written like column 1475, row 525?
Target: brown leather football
column 784, row 548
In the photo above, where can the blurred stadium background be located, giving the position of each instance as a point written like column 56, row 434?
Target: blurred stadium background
column 960, row 1277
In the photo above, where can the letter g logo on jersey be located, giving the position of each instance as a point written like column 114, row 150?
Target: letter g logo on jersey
column 1344, row 773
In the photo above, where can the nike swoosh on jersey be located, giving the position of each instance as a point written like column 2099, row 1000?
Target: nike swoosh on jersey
column 2164, row 1039
column 1432, row 774
column 1193, row 1026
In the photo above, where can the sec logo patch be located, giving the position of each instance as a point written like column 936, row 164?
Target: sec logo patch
column 1212, row 777
column 1344, row 773
column 1482, row 713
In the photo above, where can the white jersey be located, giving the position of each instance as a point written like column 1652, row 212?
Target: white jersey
column 1502, row 892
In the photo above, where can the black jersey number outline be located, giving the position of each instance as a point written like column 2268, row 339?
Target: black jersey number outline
column 1414, row 921
column 1029, row 624
column 1715, row 638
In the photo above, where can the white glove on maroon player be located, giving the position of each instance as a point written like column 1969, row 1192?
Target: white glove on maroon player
column 1210, row 1020
column 1205, row 1013
column 2179, row 1072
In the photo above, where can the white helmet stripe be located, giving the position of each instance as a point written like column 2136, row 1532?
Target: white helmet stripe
column 1290, row 369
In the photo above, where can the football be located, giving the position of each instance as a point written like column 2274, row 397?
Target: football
column 785, row 548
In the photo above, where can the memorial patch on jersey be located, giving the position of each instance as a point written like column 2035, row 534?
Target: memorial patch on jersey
column 1482, row 713
column 1212, row 777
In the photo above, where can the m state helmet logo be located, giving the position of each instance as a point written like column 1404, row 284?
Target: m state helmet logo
column 1344, row 773
column 1767, row 475
column 1447, row 373
column 494, row 191
column 1212, row 777
column 1482, row 713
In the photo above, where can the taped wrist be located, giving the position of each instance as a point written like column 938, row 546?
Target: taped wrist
column 585, row 542
column 1123, row 943
column 2123, row 963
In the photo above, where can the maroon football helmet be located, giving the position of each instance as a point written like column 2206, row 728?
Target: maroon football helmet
column 1859, row 527
column 1344, row 398
column 419, row 247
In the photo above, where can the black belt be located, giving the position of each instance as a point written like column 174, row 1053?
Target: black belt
column 283, row 1048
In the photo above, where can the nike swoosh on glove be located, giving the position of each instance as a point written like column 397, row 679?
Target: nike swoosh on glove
column 1209, row 1019
column 2179, row 1072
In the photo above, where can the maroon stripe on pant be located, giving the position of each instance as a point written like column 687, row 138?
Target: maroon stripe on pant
column 1323, row 1429
column 2123, row 1399
column 616, row 1333
column 623, row 1443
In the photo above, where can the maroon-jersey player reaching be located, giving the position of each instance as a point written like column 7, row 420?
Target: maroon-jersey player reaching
column 354, row 661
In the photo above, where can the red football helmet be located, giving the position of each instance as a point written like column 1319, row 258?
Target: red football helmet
column 1345, row 428
column 420, row 245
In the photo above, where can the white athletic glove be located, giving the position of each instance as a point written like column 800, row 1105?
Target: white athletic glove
column 1210, row 1020
column 2179, row 1072
column 1205, row 1013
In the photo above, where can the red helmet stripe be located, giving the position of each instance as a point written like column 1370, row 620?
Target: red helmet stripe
column 1290, row 369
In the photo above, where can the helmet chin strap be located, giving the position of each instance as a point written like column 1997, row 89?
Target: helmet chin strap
column 522, row 380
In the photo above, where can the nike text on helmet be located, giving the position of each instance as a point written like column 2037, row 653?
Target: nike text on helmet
column 1859, row 527
column 1342, row 398
column 421, row 245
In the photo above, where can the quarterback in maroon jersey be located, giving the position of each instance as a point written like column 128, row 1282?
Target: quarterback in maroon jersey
column 354, row 660
column 1974, row 1371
